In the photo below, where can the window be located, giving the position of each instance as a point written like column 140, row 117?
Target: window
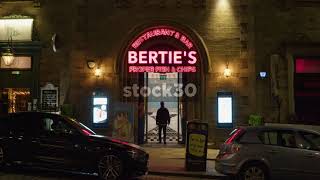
column 269, row 137
column 25, row 124
column 288, row 139
column 306, row 89
column 46, row 124
column 312, row 141
column 19, row 62
column 19, row 27
column 56, row 125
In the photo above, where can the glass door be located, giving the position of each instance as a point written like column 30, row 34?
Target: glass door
column 162, row 87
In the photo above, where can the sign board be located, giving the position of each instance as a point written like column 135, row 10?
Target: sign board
column 162, row 49
column 49, row 98
column 19, row 28
column 100, row 110
column 225, row 110
column 196, row 147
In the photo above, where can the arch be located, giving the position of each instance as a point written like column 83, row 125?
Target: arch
column 139, row 29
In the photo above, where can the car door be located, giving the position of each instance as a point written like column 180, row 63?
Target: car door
column 271, row 151
column 290, row 155
column 22, row 130
column 309, row 159
column 60, row 144
column 282, row 152
column 51, row 142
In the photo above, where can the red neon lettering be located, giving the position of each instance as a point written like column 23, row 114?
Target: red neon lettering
column 186, row 69
column 143, row 57
column 177, row 35
column 162, row 32
column 153, row 57
column 137, row 69
column 192, row 56
column 177, row 57
column 162, row 57
column 162, row 69
column 132, row 57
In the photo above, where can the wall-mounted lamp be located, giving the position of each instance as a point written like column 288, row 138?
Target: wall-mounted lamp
column 227, row 71
column 263, row 74
column 91, row 64
column 98, row 72
column 8, row 55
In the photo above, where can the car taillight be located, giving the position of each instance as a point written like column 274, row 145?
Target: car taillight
column 235, row 148
column 231, row 149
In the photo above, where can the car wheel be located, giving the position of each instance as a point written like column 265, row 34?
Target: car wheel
column 110, row 167
column 254, row 171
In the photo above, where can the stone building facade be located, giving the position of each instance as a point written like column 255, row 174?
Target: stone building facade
column 244, row 35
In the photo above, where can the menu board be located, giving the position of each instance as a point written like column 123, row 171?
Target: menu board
column 49, row 98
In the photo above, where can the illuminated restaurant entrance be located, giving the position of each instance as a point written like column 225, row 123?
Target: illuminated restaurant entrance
column 163, row 63
column 158, row 82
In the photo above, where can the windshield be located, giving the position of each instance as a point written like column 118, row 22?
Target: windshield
column 84, row 129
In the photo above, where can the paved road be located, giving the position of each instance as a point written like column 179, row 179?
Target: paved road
column 21, row 174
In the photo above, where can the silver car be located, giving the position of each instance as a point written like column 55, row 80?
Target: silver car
column 270, row 152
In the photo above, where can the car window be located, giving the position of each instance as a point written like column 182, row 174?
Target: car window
column 311, row 140
column 288, row 139
column 269, row 137
column 4, row 125
column 56, row 125
column 24, row 124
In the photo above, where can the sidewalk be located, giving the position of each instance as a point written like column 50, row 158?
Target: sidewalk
column 170, row 160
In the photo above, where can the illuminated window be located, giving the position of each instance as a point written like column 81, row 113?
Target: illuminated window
column 20, row 62
column 17, row 27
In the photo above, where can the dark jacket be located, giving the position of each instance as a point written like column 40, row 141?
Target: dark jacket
column 163, row 116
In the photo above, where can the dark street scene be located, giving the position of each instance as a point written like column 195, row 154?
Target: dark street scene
column 159, row 89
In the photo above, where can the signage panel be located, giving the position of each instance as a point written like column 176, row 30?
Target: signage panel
column 225, row 111
column 100, row 110
column 171, row 51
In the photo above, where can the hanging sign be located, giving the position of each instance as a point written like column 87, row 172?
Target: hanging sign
column 162, row 50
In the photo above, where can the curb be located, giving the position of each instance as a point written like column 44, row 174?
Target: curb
column 186, row 174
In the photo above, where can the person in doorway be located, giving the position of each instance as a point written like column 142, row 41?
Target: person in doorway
column 162, row 119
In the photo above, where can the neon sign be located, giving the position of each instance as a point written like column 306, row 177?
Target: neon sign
column 162, row 58
column 162, row 32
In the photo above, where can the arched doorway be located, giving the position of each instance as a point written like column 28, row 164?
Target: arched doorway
column 158, row 58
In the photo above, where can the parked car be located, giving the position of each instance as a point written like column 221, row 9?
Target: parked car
column 271, row 152
column 56, row 142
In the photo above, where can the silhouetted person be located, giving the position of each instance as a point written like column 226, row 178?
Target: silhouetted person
column 162, row 119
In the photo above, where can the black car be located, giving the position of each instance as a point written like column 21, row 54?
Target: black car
column 52, row 141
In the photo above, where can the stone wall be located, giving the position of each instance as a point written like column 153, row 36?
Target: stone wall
column 99, row 29
column 278, row 26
